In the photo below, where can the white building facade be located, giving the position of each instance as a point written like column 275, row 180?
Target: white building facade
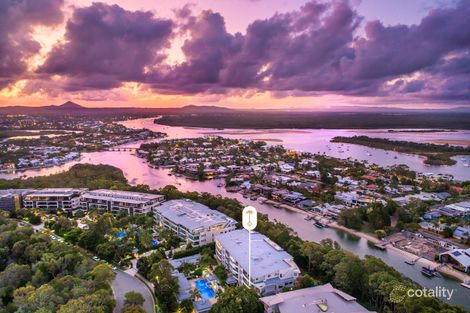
column 193, row 222
column 116, row 201
column 272, row 268
column 66, row 199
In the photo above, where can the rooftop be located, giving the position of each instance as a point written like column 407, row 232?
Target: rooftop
column 192, row 215
column 267, row 257
column 323, row 298
column 53, row 192
column 127, row 196
column 460, row 255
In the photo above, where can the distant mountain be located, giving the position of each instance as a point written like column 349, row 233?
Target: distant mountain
column 69, row 105
column 194, row 109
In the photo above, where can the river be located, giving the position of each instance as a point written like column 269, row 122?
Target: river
column 137, row 171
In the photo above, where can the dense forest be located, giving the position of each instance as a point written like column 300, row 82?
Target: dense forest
column 329, row 120
column 38, row 274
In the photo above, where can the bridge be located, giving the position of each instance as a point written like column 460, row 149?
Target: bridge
column 123, row 149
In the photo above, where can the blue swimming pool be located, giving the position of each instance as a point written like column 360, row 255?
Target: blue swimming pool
column 204, row 289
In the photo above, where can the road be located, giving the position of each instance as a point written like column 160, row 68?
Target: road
column 125, row 283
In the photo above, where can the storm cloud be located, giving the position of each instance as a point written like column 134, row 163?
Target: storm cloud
column 325, row 47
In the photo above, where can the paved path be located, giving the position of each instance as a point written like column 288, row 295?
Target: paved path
column 125, row 283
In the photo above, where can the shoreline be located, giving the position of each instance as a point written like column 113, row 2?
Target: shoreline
column 439, row 267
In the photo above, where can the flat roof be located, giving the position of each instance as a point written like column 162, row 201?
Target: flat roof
column 266, row 256
column 53, row 192
column 192, row 215
column 119, row 195
column 308, row 300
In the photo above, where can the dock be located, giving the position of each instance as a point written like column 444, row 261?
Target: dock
column 382, row 245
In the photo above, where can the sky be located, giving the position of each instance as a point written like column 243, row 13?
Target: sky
column 314, row 54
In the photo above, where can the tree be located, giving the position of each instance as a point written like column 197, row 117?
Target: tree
column 102, row 275
column 134, row 309
column 238, row 299
column 186, row 306
column 133, row 298
column 305, row 281
column 448, row 232
column 380, row 233
column 221, row 273
column 166, row 286
column 310, row 250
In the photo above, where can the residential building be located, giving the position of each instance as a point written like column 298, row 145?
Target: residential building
column 11, row 199
column 272, row 269
column 116, row 201
column 462, row 233
column 323, row 298
column 67, row 199
column 193, row 222
column 459, row 258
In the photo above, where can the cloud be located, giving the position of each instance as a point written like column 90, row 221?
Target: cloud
column 315, row 50
column 17, row 19
column 106, row 45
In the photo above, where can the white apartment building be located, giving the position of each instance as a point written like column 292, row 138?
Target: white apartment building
column 272, row 268
column 67, row 199
column 116, row 201
column 193, row 222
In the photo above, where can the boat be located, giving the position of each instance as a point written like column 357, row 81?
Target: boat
column 428, row 272
column 466, row 165
column 369, row 154
column 169, row 174
column 410, row 262
column 318, row 225
column 308, row 218
column 220, row 185
column 466, row 284
column 178, row 175
column 253, row 198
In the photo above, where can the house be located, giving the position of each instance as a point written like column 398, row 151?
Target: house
column 202, row 306
column 433, row 215
column 306, row 204
column 184, row 287
column 459, row 258
column 462, row 233
column 324, row 298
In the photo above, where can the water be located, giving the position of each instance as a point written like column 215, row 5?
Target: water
column 204, row 289
column 137, row 171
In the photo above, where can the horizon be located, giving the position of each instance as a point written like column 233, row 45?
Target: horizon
column 296, row 55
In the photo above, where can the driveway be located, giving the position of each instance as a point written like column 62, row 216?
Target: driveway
column 125, row 283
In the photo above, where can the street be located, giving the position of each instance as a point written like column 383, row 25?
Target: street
column 125, row 283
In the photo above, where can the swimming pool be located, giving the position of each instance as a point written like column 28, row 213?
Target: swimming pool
column 204, row 289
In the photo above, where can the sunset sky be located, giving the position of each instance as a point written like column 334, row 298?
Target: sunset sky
column 237, row 53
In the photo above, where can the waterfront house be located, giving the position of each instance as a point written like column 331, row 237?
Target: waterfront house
column 459, row 258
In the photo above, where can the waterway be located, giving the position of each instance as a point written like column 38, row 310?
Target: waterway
column 137, row 171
